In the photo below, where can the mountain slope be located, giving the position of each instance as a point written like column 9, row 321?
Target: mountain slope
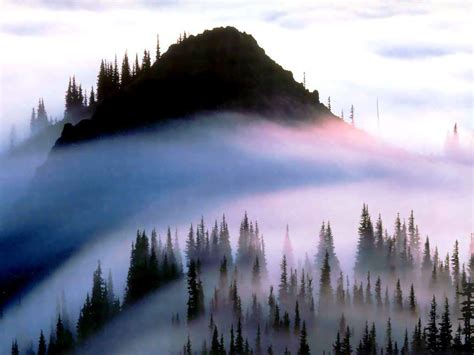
column 219, row 70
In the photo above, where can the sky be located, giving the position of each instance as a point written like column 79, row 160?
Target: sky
column 414, row 57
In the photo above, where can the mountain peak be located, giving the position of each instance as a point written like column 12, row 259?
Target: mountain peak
column 221, row 69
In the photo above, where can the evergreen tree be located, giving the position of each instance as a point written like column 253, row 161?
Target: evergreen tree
column 365, row 246
column 389, row 350
column 256, row 274
column 427, row 264
column 158, row 50
column 283, row 286
column 325, row 289
column 398, row 297
column 417, row 343
column 412, row 301
column 258, row 341
column 194, row 293
column 126, row 74
column 432, row 328
column 288, row 249
column 346, row 342
column 445, row 329
column 455, row 263
column 15, row 350
column 303, row 347
column 337, row 346
column 378, row 293
column 41, row 344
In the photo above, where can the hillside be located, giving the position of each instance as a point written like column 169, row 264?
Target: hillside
column 219, row 70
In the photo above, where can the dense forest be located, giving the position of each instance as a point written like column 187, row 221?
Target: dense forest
column 402, row 296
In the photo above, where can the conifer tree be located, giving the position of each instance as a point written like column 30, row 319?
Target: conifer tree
column 126, row 75
column 346, row 343
column 194, row 301
column 256, row 274
column 288, row 249
column 158, row 50
column 378, row 293
column 283, row 286
column 427, row 264
column 258, row 341
column 15, row 350
column 337, row 346
column 340, row 292
column 398, row 297
column 445, row 329
column 412, row 301
column 368, row 291
column 41, row 344
column 224, row 242
column 325, row 289
column 417, row 344
column 389, row 350
column 455, row 264
column 432, row 328
column 365, row 246
column 303, row 347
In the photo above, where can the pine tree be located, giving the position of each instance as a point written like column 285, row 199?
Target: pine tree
column 256, row 274
column 303, row 347
column 389, row 350
column 414, row 236
column 368, row 291
column 329, row 103
column 378, row 294
column 15, row 350
column 126, row 75
column 427, row 264
column 340, row 292
column 346, row 342
column 41, row 344
column 455, row 264
column 193, row 303
column 445, row 329
column 365, row 245
column 283, row 286
column 288, row 249
column 337, row 346
column 239, row 340
column 325, row 289
column 258, row 341
column 417, row 344
column 432, row 329
column 398, row 297
column 158, row 50
column 412, row 301
column 351, row 116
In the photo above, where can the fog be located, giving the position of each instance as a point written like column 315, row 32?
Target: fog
column 87, row 201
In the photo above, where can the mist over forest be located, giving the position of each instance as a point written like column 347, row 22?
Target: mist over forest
column 204, row 202
column 224, row 164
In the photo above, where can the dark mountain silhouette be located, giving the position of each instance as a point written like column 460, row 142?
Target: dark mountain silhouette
column 219, row 70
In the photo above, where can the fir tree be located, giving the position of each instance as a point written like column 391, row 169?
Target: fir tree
column 194, row 294
column 445, row 329
column 283, row 286
column 412, row 301
column 432, row 328
column 427, row 265
column 398, row 297
column 15, row 350
column 378, row 293
column 126, row 75
column 325, row 289
column 365, row 245
column 41, row 344
column 303, row 347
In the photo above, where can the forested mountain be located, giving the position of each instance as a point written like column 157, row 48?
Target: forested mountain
column 219, row 70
